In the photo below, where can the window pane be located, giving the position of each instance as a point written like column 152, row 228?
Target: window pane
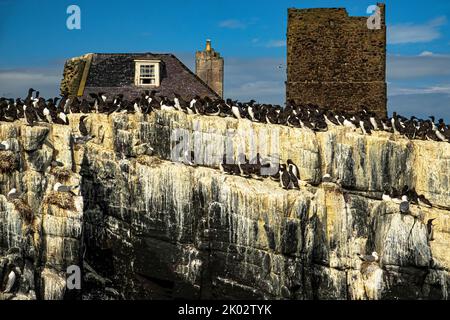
column 147, row 74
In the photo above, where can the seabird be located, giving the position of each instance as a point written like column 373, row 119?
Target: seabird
column 212, row 110
column 189, row 158
column 58, row 187
column 250, row 111
column 235, row 110
column 272, row 116
column 84, row 106
column 424, row 201
column 395, row 123
column 430, row 231
column 293, row 167
column 83, row 139
column 13, row 194
column 285, row 177
column 166, row 104
column 373, row 122
column 10, row 282
column 386, row 194
column 63, row 118
column 82, row 126
column 326, row 178
column 369, row 258
column 404, row 205
column 56, row 163
column 4, row 146
column 229, row 168
column 349, row 124
column 85, row 136
column 180, row 104
column 47, row 115
column 29, row 114
column 245, row 167
column 294, row 178
column 190, row 108
column 440, row 135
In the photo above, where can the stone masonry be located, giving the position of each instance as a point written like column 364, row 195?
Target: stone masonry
column 336, row 61
column 209, row 68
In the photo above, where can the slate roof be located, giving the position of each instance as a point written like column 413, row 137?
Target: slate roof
column 110, row 71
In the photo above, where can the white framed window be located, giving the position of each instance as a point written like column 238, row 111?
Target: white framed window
column 147, row 73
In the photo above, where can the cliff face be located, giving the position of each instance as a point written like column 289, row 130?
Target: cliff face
column 145, row 226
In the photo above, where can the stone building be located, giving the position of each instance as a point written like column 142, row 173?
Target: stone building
column 209, row 68
column 335, row 60
column 130, row 74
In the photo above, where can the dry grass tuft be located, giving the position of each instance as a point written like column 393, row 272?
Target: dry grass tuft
column 63, row 200
column 148, row 161
column 7, row 161
column 25, row 210
column 61, row 174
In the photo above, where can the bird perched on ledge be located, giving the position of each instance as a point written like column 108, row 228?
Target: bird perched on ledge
column 369, row 258
column 58, row 187
column 4, row 146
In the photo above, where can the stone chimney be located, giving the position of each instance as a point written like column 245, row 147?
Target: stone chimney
column 209, row 68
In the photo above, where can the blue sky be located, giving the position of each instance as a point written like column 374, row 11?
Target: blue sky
column 34, row 42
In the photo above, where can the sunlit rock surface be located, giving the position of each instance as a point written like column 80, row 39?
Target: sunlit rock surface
column 146, row 226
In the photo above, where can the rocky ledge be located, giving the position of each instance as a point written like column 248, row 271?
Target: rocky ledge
column 143, row 225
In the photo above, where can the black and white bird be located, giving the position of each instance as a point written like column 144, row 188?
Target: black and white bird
column 235, row 109
column 386, row 194
column 369, row 258
column 294, row 184
column 285, row 177
column 85, row 136
column 404, row 205
column 82, row 126
column 10, row 282
column 47, row 115
column 58, row 187
column 4, row 146
column 424, row 202
column 13, row 194
column 189, row 158
column 293, row 167
column 166, row 104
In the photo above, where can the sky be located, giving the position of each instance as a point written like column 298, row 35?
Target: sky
column 249, row 34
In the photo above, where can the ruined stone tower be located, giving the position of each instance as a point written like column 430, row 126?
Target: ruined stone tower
column 209, row 68
column 335, row 60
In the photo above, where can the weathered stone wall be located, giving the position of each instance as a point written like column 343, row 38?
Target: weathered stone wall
column 334, row 60
column 72, row 74
column 209, row 67
column 155, row 228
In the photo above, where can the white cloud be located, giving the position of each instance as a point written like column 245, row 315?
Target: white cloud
column 276, row 43
column 441, row 89
column 232, row 24
column 426, row 54
column 416, row 67
column 15, row 82
column 416, row 33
